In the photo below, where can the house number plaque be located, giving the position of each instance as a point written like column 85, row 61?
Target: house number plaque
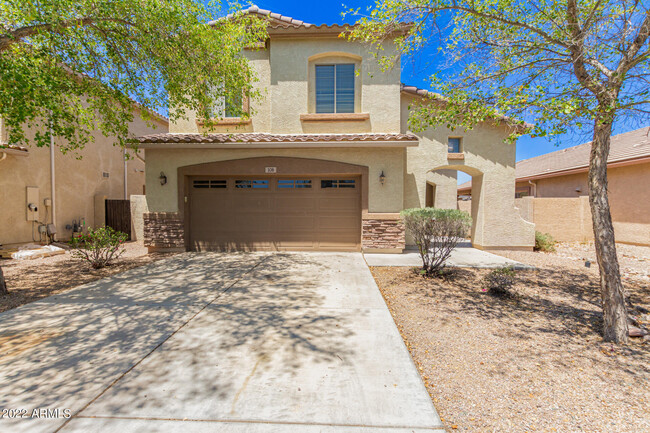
column 270, row 170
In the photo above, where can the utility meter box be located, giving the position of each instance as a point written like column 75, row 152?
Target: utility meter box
column 32, row 203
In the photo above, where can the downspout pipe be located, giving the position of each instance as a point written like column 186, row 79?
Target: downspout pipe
column 52, row 179
column 534, row 187
column 126, row 189
column 4, row 156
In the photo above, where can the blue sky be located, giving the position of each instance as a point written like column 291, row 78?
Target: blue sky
column 414, row 70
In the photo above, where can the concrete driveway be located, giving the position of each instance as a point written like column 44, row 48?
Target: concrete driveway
column 258, row 342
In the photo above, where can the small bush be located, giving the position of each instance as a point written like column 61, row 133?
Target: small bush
column 544, row 242
column 499, row 282
column 99, row 247
column 436, row 233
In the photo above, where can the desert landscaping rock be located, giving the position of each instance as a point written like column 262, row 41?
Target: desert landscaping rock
column 536, row 363
column 637, row 332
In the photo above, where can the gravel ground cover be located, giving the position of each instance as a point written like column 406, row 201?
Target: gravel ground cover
column 30, row 280
column 634, row 260
column 531, row 363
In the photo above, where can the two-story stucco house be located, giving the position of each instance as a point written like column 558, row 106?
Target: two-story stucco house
column 326, row 161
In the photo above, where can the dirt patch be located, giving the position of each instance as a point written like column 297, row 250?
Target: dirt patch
column 30, row 280
column 533, row 363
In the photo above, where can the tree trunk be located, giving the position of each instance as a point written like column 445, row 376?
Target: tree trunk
column 612, row 294
column 3, row 284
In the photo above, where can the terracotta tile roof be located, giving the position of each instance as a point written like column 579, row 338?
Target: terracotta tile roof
column 627, row 146
column 412, row 90
column 284, row 25
column 276, row 19
column 271, row 138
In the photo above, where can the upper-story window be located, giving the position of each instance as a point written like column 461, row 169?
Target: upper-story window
column 454, row 145
column 234, row 105
column 335, row 88
column 230, row 105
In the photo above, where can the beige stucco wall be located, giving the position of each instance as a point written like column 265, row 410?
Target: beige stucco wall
column 556, row 210
column 629, row 198
column 567, row 219
column 465, row 206
column 489, row 161
column 446, row 183
column 573, row 185
column 78, row 181
column 285, row 79
column 381, row 198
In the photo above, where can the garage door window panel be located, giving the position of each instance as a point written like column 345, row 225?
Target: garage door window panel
column 251, row 184
column 210, row 184
column 294, row 183
column 337, row 183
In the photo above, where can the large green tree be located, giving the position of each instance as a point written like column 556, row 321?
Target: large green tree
column 72, row 67
column 69, row 68
column 566, row 65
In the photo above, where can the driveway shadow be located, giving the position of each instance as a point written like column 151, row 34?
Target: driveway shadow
column 65, row 350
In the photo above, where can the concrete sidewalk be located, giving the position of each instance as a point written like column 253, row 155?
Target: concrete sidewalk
column 463, row 256
column 202, row 342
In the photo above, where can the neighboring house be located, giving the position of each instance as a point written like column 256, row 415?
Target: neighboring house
column 558, row 182
column 326, row 161
column 81, row 185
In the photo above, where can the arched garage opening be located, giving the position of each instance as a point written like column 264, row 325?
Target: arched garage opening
column 273, row 203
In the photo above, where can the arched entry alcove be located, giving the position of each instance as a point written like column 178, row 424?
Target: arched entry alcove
column 495, row 220
column 444, row 178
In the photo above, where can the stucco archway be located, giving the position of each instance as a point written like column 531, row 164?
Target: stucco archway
column 275, row 206
column 495, row 220
column 446, row 192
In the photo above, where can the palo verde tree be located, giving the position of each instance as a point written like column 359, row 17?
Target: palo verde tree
column 71, row 68
column 566, row 65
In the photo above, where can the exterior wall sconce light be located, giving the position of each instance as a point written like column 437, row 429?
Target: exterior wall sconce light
column 163, row 178
column 382, row 177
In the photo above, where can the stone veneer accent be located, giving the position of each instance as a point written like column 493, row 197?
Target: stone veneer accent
column 164, row 230
column 382, row 233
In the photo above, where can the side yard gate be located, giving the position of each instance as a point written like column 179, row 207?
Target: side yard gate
column 118, row 215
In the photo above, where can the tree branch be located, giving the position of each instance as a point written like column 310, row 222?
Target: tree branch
column 576, row 48
column 628, row 60
column 18, row 34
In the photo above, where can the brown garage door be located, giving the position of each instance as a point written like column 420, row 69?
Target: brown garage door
column 275, row 213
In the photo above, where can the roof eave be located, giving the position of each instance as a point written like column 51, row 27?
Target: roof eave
column 280, row 145
column 423, row 93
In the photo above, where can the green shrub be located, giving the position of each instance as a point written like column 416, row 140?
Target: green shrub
column 436, row 233
column 544, row 242
column 499, row 282
column 99, row 247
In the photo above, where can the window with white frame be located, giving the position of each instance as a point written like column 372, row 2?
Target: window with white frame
column 454, row 145
column 335, row 88
column 230, row 105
